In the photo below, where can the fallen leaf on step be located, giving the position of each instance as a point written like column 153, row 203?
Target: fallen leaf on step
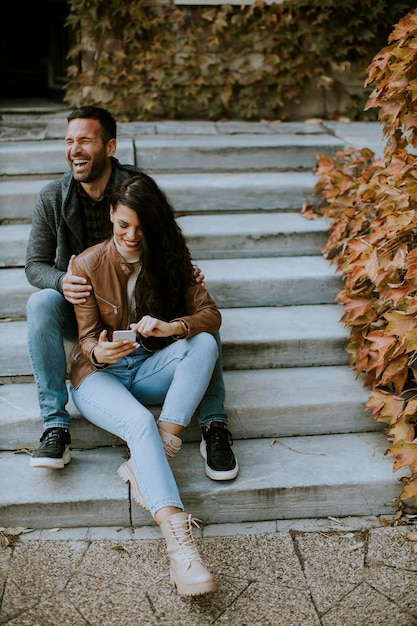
column 14, row 530
column 313, row 120
column 120, row 548
column 335, row 519
column 10, row 535
column 264, row 121
column 356, row 546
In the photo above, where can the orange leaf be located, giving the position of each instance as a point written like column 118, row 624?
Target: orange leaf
column 405, row 454
column 411, row 408
column 399, row 323
column 354, row 308
column 410, row 492
column 396, row 372
column 384, row 406
column 411, row 264
column 380, row 342
column 401, row 431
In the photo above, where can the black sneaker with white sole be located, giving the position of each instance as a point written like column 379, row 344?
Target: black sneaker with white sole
column 54, row 451
column 215, row 448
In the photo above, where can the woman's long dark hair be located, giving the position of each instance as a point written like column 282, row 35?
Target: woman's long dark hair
column 166, row 270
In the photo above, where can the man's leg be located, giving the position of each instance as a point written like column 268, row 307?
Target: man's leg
column 50, row 319
column 216, row 442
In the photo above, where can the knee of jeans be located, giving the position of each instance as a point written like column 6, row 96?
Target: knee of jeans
column 208, row 343
column 143, row 424
column 43, row 305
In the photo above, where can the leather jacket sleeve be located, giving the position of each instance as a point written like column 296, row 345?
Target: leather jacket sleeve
column 99, row 313
column 202, row 312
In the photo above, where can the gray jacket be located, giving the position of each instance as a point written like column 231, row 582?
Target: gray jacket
column 56, row 231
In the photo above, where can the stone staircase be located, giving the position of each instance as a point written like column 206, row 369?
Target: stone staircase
column 305, row 446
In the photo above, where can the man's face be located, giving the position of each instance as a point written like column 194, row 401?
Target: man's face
column 86, row 153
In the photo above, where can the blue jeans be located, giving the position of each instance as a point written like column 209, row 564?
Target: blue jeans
column 113, row 399
column 50, row 320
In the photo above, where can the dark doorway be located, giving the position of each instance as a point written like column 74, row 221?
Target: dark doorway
column 34, row 45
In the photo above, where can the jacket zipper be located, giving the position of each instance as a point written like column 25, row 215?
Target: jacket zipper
column 113, row 306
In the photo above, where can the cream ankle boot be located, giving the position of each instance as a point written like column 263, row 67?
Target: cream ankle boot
column 172, row 445
column 188, row 573
column 127, row 474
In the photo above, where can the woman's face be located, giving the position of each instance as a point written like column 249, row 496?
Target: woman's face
column 126, row 228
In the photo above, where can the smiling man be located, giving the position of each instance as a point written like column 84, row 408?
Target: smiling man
column 72, row 213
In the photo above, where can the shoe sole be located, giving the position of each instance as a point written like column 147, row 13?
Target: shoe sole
column 220, row 474
column 51, row 463
column 129, row 478
column 198, row 589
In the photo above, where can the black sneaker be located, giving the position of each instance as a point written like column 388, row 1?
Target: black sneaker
column 215, row 449
column 54, row 451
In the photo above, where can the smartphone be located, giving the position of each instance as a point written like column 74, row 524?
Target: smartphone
column 123, row 335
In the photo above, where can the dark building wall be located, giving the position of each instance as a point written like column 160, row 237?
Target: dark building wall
column 34, row 45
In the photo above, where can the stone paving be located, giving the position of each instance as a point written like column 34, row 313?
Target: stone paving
column 334, row 572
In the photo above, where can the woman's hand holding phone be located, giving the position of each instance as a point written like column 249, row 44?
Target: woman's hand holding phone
column 107, row 352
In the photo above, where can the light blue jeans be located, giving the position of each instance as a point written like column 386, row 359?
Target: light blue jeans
column 113, row 399
column 50, row 320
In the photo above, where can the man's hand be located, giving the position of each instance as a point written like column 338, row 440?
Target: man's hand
column 198, row 276
column 107, row 352
column 75, row 288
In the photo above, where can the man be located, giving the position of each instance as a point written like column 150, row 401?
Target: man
column 71, row 214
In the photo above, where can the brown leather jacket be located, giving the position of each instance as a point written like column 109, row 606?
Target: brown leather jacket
column 106, row 308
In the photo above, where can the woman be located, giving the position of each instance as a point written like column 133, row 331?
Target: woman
column 142, row 279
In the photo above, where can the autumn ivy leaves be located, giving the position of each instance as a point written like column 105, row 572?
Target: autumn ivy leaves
column 164, row 59
column 372, row 206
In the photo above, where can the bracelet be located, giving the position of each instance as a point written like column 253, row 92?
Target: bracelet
column 95, row 362
column 185, row 327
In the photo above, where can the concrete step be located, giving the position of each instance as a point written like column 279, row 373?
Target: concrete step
column 13, row 242
column 252, row 338
column 249, row 235
column 305, row 444
column 190, row 192
column 221, row 236
column 293, row 477
column 276, row 281
column 264, row 403
column 25, row 125
column 292, row 336
column 153, row 153
column 46, row 158
column 232, row 152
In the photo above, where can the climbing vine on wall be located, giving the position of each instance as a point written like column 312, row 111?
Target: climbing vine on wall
column 146, row 61
column 372, row 241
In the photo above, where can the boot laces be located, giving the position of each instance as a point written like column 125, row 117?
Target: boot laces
column 220, row 437
column 52, row 436
column 182, row 531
